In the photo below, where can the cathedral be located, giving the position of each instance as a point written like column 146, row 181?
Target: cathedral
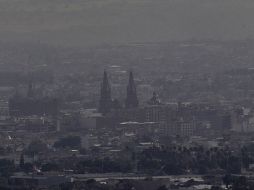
column 131, row 99
column 106, row 103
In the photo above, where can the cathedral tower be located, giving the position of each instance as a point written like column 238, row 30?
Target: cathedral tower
column 105, row 102
column 131, row 99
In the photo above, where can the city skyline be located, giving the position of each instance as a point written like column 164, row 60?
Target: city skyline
column 126, row 95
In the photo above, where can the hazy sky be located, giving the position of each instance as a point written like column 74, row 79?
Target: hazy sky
column 85, row 22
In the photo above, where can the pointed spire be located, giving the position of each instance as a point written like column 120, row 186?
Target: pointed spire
column 131, row 80
column 30, row 92
column 131, row 99
column 106, row 89
column 105, row 79
column 105, row 99
column 16, row 93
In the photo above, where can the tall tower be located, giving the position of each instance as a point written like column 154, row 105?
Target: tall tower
column 105, row 103
column 131, row 99
column 30, row 92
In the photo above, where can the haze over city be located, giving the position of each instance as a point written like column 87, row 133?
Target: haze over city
column 93, row 22
column 126, row 95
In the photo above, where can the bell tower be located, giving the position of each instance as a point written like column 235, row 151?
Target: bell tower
column 131, row 99
column 105, row 102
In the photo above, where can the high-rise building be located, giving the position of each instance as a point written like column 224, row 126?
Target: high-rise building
column 105, row 103
column 131, row 99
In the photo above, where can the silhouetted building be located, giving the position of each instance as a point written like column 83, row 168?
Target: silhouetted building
column 30, row 92
column 155, row 113
column 105, row 103
column 116, row 104
column 154, row 100
column 131, row 99
column 24, row 106
column 32, row 105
